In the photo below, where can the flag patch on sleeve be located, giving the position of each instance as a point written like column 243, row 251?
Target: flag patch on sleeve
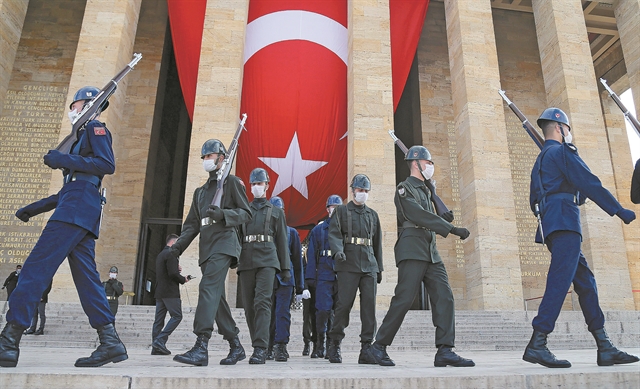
column 99, row 131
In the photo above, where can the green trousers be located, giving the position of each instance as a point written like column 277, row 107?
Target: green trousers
column 348, row 285
column 257, row 289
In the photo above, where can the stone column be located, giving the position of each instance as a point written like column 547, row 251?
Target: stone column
column 570, row 83
column 628, row 20
column 217, row 106
column 370, row 116
column 105, row 46
column 12, row 14
column 491, row 252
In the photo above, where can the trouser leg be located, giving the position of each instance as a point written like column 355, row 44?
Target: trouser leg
column 584, row 284
column 42, row 312
column 410, row 275
column 282, row 312
column 248, row 286
column 442, row 303
column 347, row 289
column 224, row 320
column 158, row 323
column 211, row 288
column 262, row 305
column 565, row 255
column 174, row 306
column 368, row 288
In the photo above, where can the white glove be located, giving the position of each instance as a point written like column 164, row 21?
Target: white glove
column 298, row 298
column 306, row 294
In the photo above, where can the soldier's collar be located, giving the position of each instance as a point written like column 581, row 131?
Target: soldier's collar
column 415, row 181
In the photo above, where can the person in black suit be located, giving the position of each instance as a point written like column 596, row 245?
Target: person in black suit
column 168, row 280
column 11, row 281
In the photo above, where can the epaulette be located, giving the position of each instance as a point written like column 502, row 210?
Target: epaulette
column 571, row 147
column 402, row 191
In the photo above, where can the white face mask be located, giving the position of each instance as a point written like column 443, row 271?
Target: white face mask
column 568, row 137
column 330, row 210
column 18, row 271
column 258, row 191
column 73, row 115
column 113, row 275
column 209, row 165
column 427, row 173
column 361, row 197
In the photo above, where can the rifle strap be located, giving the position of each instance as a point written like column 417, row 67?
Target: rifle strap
column 267, row 220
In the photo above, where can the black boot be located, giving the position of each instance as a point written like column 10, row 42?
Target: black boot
column 39, row 332
column 537, row 352
column 236, row 352
column 608, row 354
column 305, row 350
column 9, row 342
column 259, row 356
column 111, row 349
column 198, row 355
column 379, row 354
column 318, row 347
column 280, row 352
column 333, row 351
column 365, row 357
column 158, row 347
column 30, row 331
column 270, row 353
column 445, row 356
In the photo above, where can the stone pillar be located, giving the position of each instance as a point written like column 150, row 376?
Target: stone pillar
column 105, row 46
column 628, row 20
column 370, row 116
column 491, row 252
column 217, row 106
column 12, row 14
column 570, row 83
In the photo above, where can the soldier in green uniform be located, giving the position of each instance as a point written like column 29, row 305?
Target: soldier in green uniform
column 265, row 252
column 113, row 289
column 219, row 250
column 355, row 237
column 418, row 261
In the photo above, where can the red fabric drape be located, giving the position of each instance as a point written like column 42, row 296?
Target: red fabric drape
column 295, row 95
column 187, row 22
column 407, row 19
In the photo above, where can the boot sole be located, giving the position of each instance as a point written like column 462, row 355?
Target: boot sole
column 453, row 365
column 537, row 361
column 115, row 359
column 205, row 363
column 8, row 363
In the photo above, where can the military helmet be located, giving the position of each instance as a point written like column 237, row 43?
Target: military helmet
column 87, row 93
column 361, row 181
column 334, row 200
column 113, row 269
column 416, row 153
column 258, row 175
column 277, row 201
column 554, row 114
column 212, row 146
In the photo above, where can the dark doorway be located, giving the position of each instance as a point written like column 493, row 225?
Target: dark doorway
column 163, row 199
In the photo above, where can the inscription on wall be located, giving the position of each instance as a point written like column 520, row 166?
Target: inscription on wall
column 29, row 127
column 455, row 190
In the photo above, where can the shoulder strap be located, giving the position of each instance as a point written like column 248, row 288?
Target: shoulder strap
column 349, row 225
column 267, row 220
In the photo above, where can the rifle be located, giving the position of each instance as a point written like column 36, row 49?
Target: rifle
column 533, row 133
column 225, row 168
column 440, row 207
column 93, row 108
column 634, row 122
column 103, row 201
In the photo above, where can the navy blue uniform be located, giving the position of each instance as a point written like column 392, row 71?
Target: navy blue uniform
column 320, row 268
column 71, row 231
column 560, row 182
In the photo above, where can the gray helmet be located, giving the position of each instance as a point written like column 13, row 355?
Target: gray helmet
column 258, row 175
column 277, row 201
column 87, row 93
column 212, row 146
column 334, row 200
column 554, row 114
column 361, row 181
column 113, row 269
column 416, row 153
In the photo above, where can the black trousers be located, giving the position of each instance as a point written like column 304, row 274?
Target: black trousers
column 43, row 317
column 164, row 305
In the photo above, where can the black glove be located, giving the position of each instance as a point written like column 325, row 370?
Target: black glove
column 23, row 214
column 286, row 276
column 448, row 216
column 626, row 215
column 340, row 257
column 379, row 277
column 215, row 213
column 463, row 233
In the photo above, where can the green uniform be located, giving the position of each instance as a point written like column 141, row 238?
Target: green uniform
column 113, row 289
column 219, row 249
column 355, row 230
column 265, row 252
column 418, row 261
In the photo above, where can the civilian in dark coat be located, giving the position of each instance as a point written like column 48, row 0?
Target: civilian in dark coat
column 11, row 281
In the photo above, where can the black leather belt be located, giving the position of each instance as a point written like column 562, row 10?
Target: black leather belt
column 358, row 241
column 258, row 238
column 95, row 180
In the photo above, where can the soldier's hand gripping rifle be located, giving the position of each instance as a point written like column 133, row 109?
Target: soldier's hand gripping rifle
column 634, row 122
column 533, row 133
column 93, row 108
column 225, row 168
column 438, row 204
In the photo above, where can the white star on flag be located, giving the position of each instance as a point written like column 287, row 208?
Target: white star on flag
column 292, row 170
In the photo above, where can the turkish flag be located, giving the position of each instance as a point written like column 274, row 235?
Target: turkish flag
column 294, row 93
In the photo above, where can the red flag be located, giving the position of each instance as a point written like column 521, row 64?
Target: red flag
column 295, row 95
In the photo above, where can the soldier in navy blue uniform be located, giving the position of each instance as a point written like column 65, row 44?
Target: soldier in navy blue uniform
column 70, row 233
column 283, row 294
column 321, row 275
column 560, row 182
